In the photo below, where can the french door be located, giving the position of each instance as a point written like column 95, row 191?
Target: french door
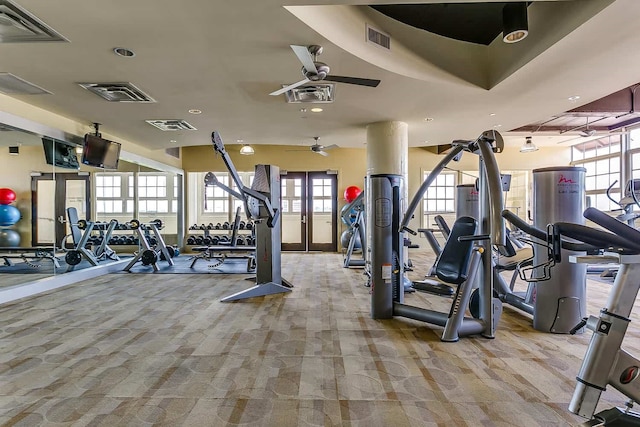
column 51, row 195
column 309, row 211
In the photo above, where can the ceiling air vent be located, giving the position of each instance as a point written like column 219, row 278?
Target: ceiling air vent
column 18, row 25
column 315, row 94
column 378, row 38
column 14, row 85
column 171, row 125
column 118, row 92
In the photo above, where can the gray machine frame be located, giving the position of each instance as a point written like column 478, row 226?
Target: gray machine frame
column 262, row 205
column 357, row 230
column 605, row 362
column 387, row 248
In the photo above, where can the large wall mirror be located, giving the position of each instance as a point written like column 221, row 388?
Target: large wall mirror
column 46, row 192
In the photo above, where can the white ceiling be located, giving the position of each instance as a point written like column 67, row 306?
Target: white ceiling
column 224, row 57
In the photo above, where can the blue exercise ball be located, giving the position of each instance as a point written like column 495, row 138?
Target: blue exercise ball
column 345, row 237
column 9, row 215
column 9, row 238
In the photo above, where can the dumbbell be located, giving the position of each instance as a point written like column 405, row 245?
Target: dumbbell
column 170, row 250
column 249, row 225
column 241, row 225
column 149, row 257
column 193, row 227
column 206, row 240
column 215, row 240
column 191, row 240
column 218, row 226
column 224, row 239
column 226, row 225
column 199, row 240
column 73, row 257
column 240, row 241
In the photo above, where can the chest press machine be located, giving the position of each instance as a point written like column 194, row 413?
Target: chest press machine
column 262, row 205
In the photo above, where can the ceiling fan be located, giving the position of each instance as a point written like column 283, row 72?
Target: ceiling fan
column 318, row 148
column 314, row 71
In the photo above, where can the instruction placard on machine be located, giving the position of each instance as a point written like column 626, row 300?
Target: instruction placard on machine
column 386, row 273
column 383, row 212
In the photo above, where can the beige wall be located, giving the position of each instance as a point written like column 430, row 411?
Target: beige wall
column 350, row 163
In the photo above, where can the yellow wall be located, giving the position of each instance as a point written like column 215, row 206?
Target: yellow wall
column 350, row 163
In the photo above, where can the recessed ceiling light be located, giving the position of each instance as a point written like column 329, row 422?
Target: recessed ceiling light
column 497, row 126
column 240, row 141
column 428, row 119
column 316, row 110
column 121, row 51
column 492, row 114
column 574, row 98
column 173, row 141
column 303, row 110
column 195, row 111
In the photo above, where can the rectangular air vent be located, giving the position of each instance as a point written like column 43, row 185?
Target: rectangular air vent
column 173, row 152
column 315, row 94
column 14, row 85
column 118, row 92
column 18, row 25
column 379, row 38
column 171, row 125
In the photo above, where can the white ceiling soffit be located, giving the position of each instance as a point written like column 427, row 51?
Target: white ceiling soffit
column 14, row 85
column 433, row 58
column 315, row 94
column 19, row 26
column 171, row 124
column 118, row 92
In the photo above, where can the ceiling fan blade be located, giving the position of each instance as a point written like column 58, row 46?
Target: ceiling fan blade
column 288, row 88
column 353, row 80
column 302, row 52
column 322, row 153
column 329, row 147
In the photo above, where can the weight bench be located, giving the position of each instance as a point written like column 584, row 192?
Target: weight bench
column 221, row 252
column 35, row 253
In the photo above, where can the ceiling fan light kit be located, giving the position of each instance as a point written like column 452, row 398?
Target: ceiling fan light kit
column 528, row 146
column 247, row 150
column 315, row 71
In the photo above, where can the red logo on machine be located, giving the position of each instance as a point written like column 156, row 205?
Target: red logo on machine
column 629, row 374
column 564, row 180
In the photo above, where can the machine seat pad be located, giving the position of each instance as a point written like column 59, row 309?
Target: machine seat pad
column 510, row 263
column 452, row 264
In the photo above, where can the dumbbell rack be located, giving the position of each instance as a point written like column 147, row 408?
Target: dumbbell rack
column 210, row 234
column 147, row 249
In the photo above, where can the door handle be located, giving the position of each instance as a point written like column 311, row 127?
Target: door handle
column 304, row 219
column 61, row 219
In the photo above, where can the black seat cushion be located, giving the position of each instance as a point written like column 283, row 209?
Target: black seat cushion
column 451, row 266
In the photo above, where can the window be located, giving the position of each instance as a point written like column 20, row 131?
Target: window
column 291, row 194
column 109, row 194
column 439, row 198
column 217, row 204
column 216, row 200
column 322, row 196
column 154, row 194
column 602, row 160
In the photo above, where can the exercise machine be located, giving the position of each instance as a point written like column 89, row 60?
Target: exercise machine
column 29, row 255
column 352, row 214
column 387, row 272
column 605, row 362
column 556, row 301
column 261, row 203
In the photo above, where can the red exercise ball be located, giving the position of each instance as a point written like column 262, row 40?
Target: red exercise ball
column 7, row 196
column 351, row 192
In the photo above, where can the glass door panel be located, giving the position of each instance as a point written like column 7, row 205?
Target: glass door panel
column 46, row 213
column 323, row 212
column 294, row 211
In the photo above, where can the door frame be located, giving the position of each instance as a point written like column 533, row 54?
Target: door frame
column 301, row 246
column 333, row 245
column 59, row 202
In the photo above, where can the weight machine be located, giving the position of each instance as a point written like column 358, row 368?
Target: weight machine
column 262, row 205
column 357, row 227
column 387, row 269
column 605, row 362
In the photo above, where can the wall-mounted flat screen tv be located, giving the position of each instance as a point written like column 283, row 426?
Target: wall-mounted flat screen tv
column 60, row 153
column 100, row 153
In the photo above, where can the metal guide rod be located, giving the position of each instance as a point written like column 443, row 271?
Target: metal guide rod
column 245, row 192
column 497, row 227
column 417, row 199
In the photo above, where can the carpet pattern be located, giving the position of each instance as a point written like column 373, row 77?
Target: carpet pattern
column 122, row 350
